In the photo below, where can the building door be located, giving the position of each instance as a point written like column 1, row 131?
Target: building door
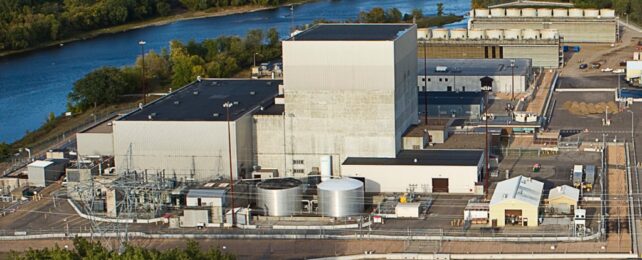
column 512, row 216
column 198, row 202
column 449, row 88
column 439, row 184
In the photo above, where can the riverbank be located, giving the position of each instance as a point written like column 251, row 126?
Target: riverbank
column 187, row 15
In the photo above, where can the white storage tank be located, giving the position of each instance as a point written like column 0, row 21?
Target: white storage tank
column 591, row 13
column 607, row 13
column 548, row 33
column 340, row 197
column 513, row 34
column 529, row 12
column 280, row 197
column 544, row 12
column 495, row 34
column 530, row 34
column 423, row 33
column 513, row 12
column 459, row 34
column 575, row 12
column 440, row 34
column 498, row 12
column 476, row 34
column 482, row 12
column 560, row 12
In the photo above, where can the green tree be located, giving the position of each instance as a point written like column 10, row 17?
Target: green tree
column 393, row 15
column 156, row 66
column 440, row 9
column 5, row 151
column 101, row 86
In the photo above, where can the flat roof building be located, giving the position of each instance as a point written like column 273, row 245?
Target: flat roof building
column 452, row 104
column 465, row 74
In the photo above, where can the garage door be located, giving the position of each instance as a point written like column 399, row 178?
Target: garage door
column 513, row 212
column 439, row 185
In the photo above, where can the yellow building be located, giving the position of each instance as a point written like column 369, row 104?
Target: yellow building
column 563, row 199
column 516, row 202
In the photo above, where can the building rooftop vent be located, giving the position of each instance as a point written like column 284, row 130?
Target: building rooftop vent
column 236, row 102
column 196, row 92
column 176, row 102
column 441, row 69
column 252, row 93
column 215, row 114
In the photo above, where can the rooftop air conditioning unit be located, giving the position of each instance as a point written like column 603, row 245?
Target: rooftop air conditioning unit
column 441, row 69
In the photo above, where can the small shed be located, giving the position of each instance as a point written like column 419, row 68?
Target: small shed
column 408, row 210
column 206, row 197
column 516, row 202
column 563, row 199
column 43, row 173
column 476, row 212
column 194, row 218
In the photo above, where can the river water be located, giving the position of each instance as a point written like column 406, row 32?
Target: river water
column 37, row 83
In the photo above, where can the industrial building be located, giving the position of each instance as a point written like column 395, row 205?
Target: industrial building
column 97, row 140
column 452, row 104
column 462, row 75
column 426, row 171
column 542, row 47
column 43, row 173
column 634, row 72
column 563, row 199
column 516, row 202
column 574, row 25
column 349, row 91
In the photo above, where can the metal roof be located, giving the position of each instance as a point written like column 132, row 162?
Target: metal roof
column 206, row 193
column 519, row 188
column 353, row 32
column 203, row 101
column 41, row 164
column 564, row 191
column 423, row 157
column 473, row 67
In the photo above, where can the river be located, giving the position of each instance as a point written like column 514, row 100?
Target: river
column 34, row 84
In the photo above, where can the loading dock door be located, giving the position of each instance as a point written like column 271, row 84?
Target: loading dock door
column 439, row 185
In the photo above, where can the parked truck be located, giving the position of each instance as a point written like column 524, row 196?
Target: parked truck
column 578, row 173
column 589, row 177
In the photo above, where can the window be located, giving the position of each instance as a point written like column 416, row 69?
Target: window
column 446, row 79
column 439, row 79
column 428, row 79
column 298, row 171
column 297, row 161
column 463, row 88
column 423, row 79
column 449, row 88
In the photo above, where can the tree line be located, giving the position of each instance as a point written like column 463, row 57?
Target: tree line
column 624, row 8
column 393, row 15
column 28, row 23
column 84, row 249
column 222, row 57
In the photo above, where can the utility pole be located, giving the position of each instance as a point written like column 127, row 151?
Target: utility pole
column 227, row 106
column 512, row 72
column 142, row 77
column 425, row 83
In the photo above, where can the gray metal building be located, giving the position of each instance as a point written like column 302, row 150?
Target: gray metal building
column 43, row 173
column 452, row 104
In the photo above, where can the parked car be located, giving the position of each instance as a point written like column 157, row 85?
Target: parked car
column 596, row 65
column 618, row 71
column 606, row 70
column 583, row 66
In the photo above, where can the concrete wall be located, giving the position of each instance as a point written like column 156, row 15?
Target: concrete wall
column 465, row 111
column 562, row 204
column 342, row 98
column 546, row 56
column 414, row 142
column 398, row 178
column 528, row 211
column 587, row 31
column 91, row 144
column 184, row 148
column 192, row 217
column 270, row 143
column 501, row 84
column 44, row 176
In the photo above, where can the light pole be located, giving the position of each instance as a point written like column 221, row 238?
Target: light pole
column 227, row 105
column 254, row 58
column 142, row 77
column 425, row 83
column 512, row 72
column 485, row 90
column 28, row 153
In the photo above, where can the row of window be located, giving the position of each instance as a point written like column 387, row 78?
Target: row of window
column 440, row 79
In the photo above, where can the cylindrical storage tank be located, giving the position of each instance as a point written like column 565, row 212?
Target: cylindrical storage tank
column 512, row 34
column 494, row 34
column 608, row 13
column 440, row 34
column 482, row 12
column 340, row 197
column 513, row 12
column 498, row 12
column 575, row 12
column 591, row 13
column 530, row 34
column 476, row 34
column 458, row 34
column 529, row 12
column 560, row 12
column 423, row 33
column 279, row 197
column 544, row 12
column 548, row 33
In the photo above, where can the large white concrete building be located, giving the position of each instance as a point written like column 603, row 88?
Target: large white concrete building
column 461, row 75
column 349, row 91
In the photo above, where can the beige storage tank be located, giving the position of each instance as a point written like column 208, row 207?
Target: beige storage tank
column 482, row 12
column 591, row 13
column 512, row 34
column 607, row 13
column 529, row 12
column 548, row 33
column 575, row 12
column 423, row 33
column 530, row 34
column 440, row 34
column 498, row 12
column 544, row 12
column 560, row 12
column 476, row 34
column 513, row 12
column 459, row 34
column 495, row 34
